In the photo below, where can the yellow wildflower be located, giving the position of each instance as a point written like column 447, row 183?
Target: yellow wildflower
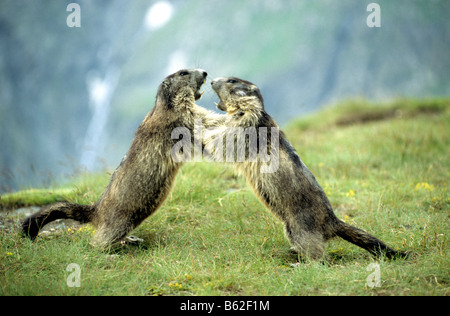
column 350, row 193
column 208, row 284
column 425, row 186
column 9, row 253
column 327, row 189
column 175, row 285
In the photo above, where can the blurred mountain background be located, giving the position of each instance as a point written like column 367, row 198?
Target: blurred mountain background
column 71, row 98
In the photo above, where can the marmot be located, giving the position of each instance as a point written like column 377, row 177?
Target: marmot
column 145, row 176
column 289, row 190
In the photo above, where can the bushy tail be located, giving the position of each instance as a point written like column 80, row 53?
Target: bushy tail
column 32, row 225
column 366, row 241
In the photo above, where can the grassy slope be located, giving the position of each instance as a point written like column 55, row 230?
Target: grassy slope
column 213, row 237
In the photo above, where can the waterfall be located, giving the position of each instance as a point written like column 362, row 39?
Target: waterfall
column 100, row 91
column 101, row 88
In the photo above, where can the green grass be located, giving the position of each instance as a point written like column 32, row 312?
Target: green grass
column 387, row 174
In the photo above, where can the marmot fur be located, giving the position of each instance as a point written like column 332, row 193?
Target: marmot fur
column 289, row 189
column 145, row 176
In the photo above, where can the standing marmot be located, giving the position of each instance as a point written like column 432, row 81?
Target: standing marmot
column 143, row 179
column 289, row 189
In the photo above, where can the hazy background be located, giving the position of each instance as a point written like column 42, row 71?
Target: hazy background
column 72, row 98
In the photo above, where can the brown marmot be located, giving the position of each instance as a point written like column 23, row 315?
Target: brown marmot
column 145, row 176
column 285, row 186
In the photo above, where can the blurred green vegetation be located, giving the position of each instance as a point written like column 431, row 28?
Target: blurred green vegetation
column 302, row 54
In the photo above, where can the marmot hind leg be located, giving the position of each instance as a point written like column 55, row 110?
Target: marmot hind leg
column 309, row 245
column 110, row 235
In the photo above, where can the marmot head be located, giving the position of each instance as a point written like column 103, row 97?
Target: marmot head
column 237, row 94
column 181, row 86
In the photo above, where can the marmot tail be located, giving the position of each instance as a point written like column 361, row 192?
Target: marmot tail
column 366, row 241
column 33, row 224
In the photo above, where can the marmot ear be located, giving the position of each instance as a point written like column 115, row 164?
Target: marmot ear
column 165, row 84
column 164, row 92
column 255, row 91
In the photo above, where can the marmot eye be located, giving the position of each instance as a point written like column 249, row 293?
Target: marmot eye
column 231, row 81
column 184, row 73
